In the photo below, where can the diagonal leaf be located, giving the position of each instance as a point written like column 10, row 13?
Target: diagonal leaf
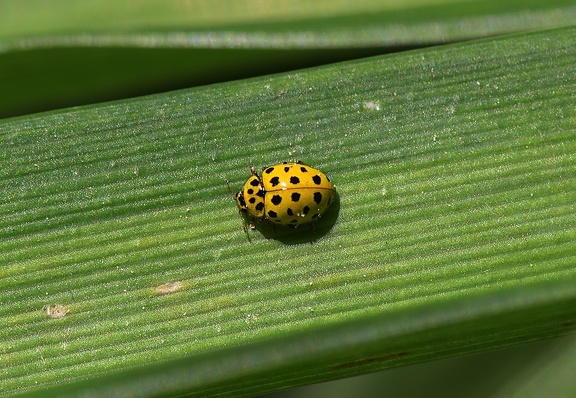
column 455, row 229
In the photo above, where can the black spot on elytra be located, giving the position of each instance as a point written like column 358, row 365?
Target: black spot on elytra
column 286, row 169
column 317, row 197
column 305, row 210
column 317, row 180
column 276, row 200
column 252, row 200
column 269, row 170
column 272, row 214
column 294, row 180
column 295, row 197
column 250, row 191
column 303, row 169
column 255, row 182
column 274, row 181
column 289, row 212
column 260, row 206
column 261, row 193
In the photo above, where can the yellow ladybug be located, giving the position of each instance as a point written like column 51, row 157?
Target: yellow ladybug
column 287, row 193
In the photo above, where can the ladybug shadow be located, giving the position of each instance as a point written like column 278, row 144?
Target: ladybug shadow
column 306, row 233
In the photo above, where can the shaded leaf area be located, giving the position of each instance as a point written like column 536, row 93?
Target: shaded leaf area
column 121, row 247
column 45, row 79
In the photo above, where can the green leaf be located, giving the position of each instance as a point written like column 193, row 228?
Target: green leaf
column 249, row 23
column 63, row 53
column 454, row 231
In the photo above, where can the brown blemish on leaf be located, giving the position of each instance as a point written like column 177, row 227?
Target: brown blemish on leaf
column 369, row 361
column 170, row 287
column 56, row 311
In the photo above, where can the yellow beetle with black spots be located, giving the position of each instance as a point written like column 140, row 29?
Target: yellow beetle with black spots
column 287, row 193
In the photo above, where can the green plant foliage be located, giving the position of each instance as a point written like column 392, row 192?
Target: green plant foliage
column 121, row 247
column 249, row 23
column 64, row 53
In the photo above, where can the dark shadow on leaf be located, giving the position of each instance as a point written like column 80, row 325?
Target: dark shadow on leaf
column 306, row 233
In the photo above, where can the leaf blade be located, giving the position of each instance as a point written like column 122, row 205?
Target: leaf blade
column 455, row 171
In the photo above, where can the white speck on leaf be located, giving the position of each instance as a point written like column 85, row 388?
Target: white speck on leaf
column 372, row 105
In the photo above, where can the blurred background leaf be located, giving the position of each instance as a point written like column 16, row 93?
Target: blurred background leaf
column 537, row 369
column 64, row 53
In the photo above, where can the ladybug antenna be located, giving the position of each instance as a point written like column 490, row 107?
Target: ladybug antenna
column 230, row 189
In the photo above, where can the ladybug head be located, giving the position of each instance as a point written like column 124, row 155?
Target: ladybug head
column 239, row 197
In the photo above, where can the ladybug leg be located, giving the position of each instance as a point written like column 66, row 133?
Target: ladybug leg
column 243, row 221
column 245, row 230
column 253, row 172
